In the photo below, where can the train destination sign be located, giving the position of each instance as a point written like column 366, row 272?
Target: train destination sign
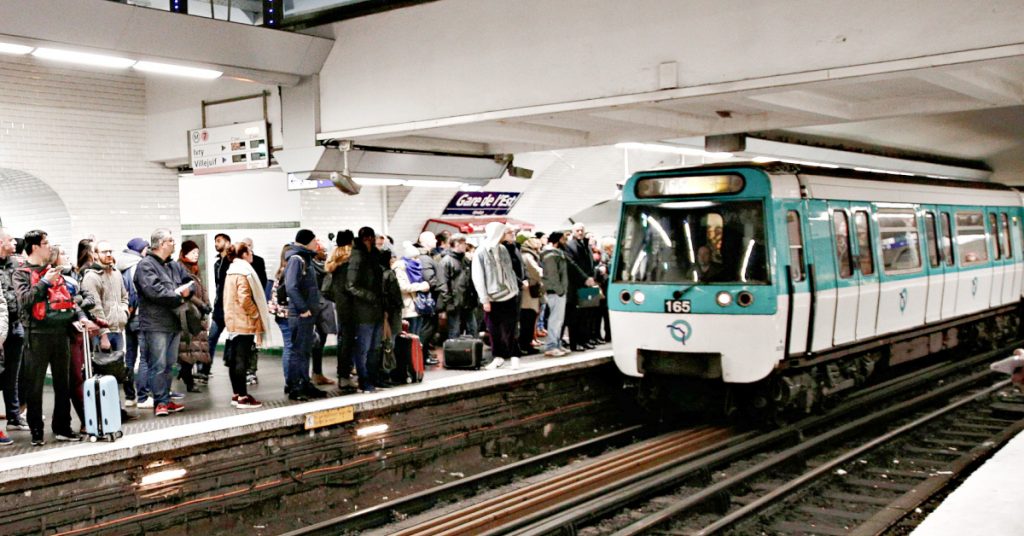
column 481, row 203
column 229, row 148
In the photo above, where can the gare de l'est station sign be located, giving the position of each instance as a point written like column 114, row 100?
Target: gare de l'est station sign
column 481, row 203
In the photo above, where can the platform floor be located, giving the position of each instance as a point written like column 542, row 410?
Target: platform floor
column 989, row 502
column 209, row 415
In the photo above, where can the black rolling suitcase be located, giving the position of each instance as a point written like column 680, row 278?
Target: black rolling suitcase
column 463, row 353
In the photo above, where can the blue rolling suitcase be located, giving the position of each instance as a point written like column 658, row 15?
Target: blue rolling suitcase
column 102, row 401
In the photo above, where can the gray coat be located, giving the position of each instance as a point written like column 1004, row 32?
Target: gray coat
column 556, row 271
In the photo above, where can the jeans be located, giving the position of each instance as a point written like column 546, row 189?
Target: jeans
column 286, row 348
column 296, row 374
column 42, row 350
column 9, row 377
column 415, row 323
column 460, row 322
column 365, row 354
column 238, row 352
column 556, row 306
column 160, row 351
column 215, row 331
column 138, row 385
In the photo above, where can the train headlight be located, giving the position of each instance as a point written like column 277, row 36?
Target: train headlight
column 625, row 296
column 723, row 298
column 638, row 298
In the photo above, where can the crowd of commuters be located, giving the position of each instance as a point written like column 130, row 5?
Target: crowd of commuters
column 150, row 307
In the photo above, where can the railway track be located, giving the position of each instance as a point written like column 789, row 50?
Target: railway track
column 718, row 480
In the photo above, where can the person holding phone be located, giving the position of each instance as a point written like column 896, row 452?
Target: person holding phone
column 47, row 313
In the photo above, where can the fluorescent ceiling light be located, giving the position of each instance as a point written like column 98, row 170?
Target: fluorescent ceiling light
column 83, row 58
column 672, row 149
column 176, row 70
column 434, row 184
column 471, row 188
column 369, row 181
column 11, row 48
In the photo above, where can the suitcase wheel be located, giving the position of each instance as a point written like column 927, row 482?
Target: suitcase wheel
column 92, row 439
column 119, row 434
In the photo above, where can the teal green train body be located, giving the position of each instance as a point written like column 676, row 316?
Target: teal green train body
column 744, row 274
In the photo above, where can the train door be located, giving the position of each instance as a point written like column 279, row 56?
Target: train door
column 847, row 287
column 946, row 253
column 936, row 268
column 974, row 274
column 797, row 283
column 1016, row 230
column 822, row 274
column 867, row 271
column 998, row 264
column 904, row 290
column 1010, row 257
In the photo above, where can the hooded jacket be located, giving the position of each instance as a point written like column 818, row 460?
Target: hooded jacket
column 300, row 281
column 456, row 282
column 127, row 259
column 364, row 282
column 493, row 276
column 156, row 281
column 107, row 286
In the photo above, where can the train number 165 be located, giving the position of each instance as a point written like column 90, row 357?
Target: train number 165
column 677, row 306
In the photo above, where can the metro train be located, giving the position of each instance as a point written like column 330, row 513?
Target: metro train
column 774, row 287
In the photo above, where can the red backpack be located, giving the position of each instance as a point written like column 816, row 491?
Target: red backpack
column 59, row 306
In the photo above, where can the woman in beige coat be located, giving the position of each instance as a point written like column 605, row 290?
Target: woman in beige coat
column 533, row 295
column 246, row 321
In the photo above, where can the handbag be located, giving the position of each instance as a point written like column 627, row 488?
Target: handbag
column 534, row 291
column 109, row 363
column 387, row 355
column 424, row 303
column 588, row 297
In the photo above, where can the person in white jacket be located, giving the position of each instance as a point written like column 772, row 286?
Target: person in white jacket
column 409, row 273
column 497, row 285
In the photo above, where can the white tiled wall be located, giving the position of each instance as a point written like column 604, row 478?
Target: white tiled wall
column 82, row 132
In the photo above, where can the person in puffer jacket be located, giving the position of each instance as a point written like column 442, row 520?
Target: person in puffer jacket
column 193, row 349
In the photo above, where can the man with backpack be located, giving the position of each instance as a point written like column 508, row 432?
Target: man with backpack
column 47, row 312
column 303, row 305
column 136, row 388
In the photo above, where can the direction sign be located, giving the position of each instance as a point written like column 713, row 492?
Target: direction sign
column 229, row 148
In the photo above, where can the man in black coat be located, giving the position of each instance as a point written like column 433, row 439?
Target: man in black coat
column 221, row 243
column 579, row 320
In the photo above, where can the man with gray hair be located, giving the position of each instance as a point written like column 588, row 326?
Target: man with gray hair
column 457, row 299
column 160, row 293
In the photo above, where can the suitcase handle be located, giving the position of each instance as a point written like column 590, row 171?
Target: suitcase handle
column 86, row 348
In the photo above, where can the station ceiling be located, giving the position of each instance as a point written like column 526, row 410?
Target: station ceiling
column 970, row 111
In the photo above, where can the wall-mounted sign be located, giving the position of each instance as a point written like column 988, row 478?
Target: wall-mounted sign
column 229, row 148
column 481, row 203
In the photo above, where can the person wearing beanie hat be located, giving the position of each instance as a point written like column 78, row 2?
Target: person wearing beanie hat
column 195, row 348
column 305, row 237
column 555, row 282
column 345, row 238
column 303, row 307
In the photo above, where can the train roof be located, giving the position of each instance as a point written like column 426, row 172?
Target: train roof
column 786, row 168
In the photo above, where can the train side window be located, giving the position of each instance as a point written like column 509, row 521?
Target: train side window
column 899, row 240
column 796, row 245
column 864, row 251
column 971, row 238
column 947, row 240
column 994, row 237
column 841, row 227
column 931, row 236
column 1005, row 237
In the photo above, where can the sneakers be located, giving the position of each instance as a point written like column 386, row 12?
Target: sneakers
column 368, row 389
column 129, row 402
column 495, row 363
column 37, row 440
column 145, row 402
column 67, row 436
column 175, row 407
column 177, row 396
column 17, row 424
column 248, row 402
column 5, row 441
column 251, row 379
column 234, row 401
column 298, row 397
column 161, row 410
column 313, row 392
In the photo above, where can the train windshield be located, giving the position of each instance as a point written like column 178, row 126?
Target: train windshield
column 694, row 242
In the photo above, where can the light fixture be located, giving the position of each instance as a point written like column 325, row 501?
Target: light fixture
column 671, row 149
column 176, row 70
column 371, row 181
column 83, row 58
column 372, row 429
column 723, row 298
column 639, row 297
column 162, row 476
column 11, row 48
column 433, row 184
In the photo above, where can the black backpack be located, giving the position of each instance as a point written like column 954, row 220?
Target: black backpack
column 282, row 290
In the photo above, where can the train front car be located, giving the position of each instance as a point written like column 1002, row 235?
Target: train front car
column 695, row 295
